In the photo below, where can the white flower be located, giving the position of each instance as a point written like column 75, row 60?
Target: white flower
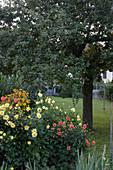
column 40, row 94
column 73, row 109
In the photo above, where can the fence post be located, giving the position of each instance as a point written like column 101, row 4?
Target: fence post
column 111, row 147
column 104, row 98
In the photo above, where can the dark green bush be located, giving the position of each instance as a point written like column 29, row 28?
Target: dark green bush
column 108, row 91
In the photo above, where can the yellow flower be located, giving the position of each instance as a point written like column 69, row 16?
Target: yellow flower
column 12, row 125
column 27, row 101
column 1, row 132
column 78, row 118
column 73, row 109
column 49, row 101
column 29, row 142
column 4, row 134
column 46, row 108
column 40, row 94
column 16, row 108
column 11, row 168
column 1, row 113
column 9, row 122
column 1, row 137
column 41, row 101
column 20, row 104
column 48, row 126
column 56, row 107
column 16, row 116
column 46, row 100
column 80, row 124
column 11, row 137
column 24, row 104
column 43, row 107
column 6, row 117
column 39, row 115
column 29, row 117
column 37, row 102
column 34, row 134
column 6, row 104
column 28, row 109
column 34, row 130
column 26, row 127
column 17, row 105
column 53, row 101
column 39, row 109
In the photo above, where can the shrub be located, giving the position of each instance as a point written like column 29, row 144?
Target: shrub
column 45, row 133
column 89, row 161
column 108, row 91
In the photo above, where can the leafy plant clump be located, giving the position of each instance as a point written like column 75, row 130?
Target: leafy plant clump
column 45, row 134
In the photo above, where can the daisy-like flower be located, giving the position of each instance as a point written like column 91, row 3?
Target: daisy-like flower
column 4, row 134
column 43, row 107
column 10, row 107
column 1, row 113
column 26, row 127
column 37, row 102
column 6, row 104
column 49, row 101
column 1, row 137
column 17, row 105
column 29, row 142
column 73, row 109
column 39, row 115
column 39, row 109
column 29, row 117
column 12, row 125
column 80, row 124
column 34, row 134
column 53, row 101
column 34, row 130
column 1, row 132
column 6, row 117
column 28, row 109
column 40, row 94
column 78, row 118
column 48, row 126
column 46, row 108
column 16, row 116
column 11, row 168
column 11, row 137
column 56, row 107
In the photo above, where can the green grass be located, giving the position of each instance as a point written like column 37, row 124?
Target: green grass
column 101, row 119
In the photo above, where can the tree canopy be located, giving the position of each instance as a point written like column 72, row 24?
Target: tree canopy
column 48, row 40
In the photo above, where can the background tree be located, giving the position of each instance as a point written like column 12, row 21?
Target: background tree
column 50, row 39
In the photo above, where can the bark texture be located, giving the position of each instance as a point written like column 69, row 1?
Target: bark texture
column 87, row 102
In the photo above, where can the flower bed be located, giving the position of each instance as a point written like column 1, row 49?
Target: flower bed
column 44, row 133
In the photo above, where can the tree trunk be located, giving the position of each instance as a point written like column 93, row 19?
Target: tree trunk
column 87, row 102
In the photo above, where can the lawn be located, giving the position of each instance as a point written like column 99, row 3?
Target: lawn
column 101, row 119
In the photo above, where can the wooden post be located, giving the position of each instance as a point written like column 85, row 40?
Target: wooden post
column 111, row 146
